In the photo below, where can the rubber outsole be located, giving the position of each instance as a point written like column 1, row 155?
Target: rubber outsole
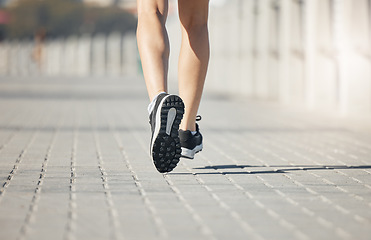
column 190, row 153
column 166, row 149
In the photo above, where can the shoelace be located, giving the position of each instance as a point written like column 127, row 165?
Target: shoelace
column 198, row 118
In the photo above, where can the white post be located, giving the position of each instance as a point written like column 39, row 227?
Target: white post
column 262, row 46
column 114, row 54
column 175, row 36
column 284, row 51
column 310, row 51
column 223, row 63
column 342, row 44
column 57, row 57
column 354, row 45
column 70, row 61
column 83, row 55
column 98, row 55
column 4, row 53
column 245, row 60
column 215, row 73
column 13, row 59
column 272, row 51
column 130, row 55
column 26, row 58
column 233, row 44
column 47, row 53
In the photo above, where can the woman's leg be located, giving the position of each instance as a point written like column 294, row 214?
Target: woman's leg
column 194, row 57
column 166, row 111
column 153, row 44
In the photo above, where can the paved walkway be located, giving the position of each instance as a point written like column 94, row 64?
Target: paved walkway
column 74, row 165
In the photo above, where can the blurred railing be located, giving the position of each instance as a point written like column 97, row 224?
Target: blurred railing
column 101, row 55
column 313, row 53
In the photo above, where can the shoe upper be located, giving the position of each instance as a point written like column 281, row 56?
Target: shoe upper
column 188, row 140
column 152, row 116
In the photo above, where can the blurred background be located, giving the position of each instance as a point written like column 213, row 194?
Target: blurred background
column 314, row 54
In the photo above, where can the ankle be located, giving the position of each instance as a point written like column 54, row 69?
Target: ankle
column 188, row 127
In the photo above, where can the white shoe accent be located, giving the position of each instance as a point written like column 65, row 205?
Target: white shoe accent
column 190, row 153
column 158, row 122
column 152, row 104
column 170, row 120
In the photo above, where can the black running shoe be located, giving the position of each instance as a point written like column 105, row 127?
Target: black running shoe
column 191, row 144
column 165, row 119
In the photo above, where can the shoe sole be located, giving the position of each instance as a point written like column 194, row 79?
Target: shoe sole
column 165, row 146
column 190, row 153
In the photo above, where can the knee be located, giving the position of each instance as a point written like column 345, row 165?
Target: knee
column 195, row 27
column 151, row 16
column 194, row 21
column 151, row 12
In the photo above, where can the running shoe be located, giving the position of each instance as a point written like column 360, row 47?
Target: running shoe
column 190, row 144
column 164, row 120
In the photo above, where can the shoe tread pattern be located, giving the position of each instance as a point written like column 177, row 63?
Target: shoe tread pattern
column 166, row 148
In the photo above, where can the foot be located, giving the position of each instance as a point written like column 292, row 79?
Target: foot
column 191, row 144
column 165, row 119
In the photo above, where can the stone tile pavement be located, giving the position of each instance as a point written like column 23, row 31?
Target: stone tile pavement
column 74, row 164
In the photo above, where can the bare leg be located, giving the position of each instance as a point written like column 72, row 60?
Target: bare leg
column 194, row 57
column 153, row 44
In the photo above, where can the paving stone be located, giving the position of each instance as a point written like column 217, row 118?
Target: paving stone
column 74, row 164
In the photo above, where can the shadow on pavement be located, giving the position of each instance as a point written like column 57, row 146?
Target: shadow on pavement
column 278, row 169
